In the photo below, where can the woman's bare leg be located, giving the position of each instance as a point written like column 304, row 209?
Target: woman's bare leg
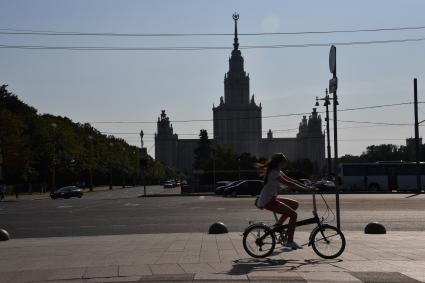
column 288, row 212
column 289, row 202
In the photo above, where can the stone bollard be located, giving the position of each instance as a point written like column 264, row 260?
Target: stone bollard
column 218, row 228
column 375, row 228
column 4, row 235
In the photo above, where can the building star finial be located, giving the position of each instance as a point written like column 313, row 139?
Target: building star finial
column 236, row 18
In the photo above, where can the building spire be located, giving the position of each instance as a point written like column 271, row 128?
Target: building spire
column 236, row 43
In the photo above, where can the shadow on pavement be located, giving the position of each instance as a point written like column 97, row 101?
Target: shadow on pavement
column 414, row 195
column 245, row 266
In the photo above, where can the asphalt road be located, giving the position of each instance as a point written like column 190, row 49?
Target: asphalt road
column 121, row 211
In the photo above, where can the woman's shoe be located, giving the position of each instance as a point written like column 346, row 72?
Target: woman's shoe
column 293, row 245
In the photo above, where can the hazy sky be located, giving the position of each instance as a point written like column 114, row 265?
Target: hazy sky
column 96, row 86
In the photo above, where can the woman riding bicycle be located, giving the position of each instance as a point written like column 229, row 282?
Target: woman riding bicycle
column 274, row 180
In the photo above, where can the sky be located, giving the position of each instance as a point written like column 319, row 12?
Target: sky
column 134, row 86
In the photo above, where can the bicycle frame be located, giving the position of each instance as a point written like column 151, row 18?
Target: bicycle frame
column 313, row 220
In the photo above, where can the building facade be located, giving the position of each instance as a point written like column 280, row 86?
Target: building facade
column 237, row 123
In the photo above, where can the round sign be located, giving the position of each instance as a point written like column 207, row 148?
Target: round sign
column 332, row 59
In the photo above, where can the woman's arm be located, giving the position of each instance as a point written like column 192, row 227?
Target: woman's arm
column 293, row 184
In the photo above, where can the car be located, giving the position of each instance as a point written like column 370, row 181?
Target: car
column 168, row 185
column 306, row 182
column 219, row 190
column 67, row 192
column 222, row 183
column 324, row 185
column 245, row 187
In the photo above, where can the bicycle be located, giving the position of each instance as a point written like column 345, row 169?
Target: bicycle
column 327, row 241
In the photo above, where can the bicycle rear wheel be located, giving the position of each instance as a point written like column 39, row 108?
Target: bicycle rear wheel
column 258, row 242
column 328, row 242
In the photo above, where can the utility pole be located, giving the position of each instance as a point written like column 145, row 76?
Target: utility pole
column 328, row 134
column 239, row 168
column 91, row 163
column 418, row 165
column 333, row 85
column 110, row 167
column 143, row 154
column 53, row 173
column 1, row 162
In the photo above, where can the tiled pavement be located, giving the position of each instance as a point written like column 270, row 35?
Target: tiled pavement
column 394, row 257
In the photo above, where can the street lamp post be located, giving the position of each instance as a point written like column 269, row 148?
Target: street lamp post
column 326, row 104
column 135, row 157
column 53, row 176
column 239, row 168
column 91, row 163
column 1, row 162
column 123, row 169
column 110, row 168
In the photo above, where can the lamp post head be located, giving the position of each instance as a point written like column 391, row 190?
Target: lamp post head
column 317, row 101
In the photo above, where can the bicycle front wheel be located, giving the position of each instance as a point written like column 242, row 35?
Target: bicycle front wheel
column 258, row 242
column 328, row 242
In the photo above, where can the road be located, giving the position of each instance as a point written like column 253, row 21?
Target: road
column 121, row 211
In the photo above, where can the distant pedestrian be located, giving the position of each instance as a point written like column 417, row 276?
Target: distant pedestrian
column 2, row 190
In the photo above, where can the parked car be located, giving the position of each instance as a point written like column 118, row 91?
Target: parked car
column 219, row 190
column 325, row 186
column 306, row 182
column 222, row 183
column 67, row 192
column 168, row 185
column 245, row 187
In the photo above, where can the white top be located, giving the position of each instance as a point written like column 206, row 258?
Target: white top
column 271, row 188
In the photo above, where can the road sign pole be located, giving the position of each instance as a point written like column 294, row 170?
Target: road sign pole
column 337, row 179
column 418, row 166
column 333, row 85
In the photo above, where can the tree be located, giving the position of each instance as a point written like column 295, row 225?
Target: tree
column 34, row 150
column 203, row 151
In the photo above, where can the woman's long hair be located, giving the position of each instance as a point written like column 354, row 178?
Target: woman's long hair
column 267, row 166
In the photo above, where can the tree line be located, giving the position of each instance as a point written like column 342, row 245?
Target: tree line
column 221, row 162
column 386, row 152
column 47, row 151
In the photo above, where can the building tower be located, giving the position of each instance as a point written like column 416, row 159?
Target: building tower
column 237, row 119
column 165, row 141
column 311, row 139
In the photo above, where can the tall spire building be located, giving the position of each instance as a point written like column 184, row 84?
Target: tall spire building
column 237, row 119
column 237, row 123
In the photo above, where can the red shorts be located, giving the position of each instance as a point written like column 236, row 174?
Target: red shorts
column 274, row 204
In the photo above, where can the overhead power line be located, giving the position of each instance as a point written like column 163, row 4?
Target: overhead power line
column 202, row 48
column 10, row 31
column 376, row 123
column 264, row 117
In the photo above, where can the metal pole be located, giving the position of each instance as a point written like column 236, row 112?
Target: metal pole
column 214, row 170
column 110, row 166
column 337, row 184
column 239, row 168
column 418, row 165
column 144, row 184
column 328, row 134
column 91, row 163
column 110, row 178
column 1, row 162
